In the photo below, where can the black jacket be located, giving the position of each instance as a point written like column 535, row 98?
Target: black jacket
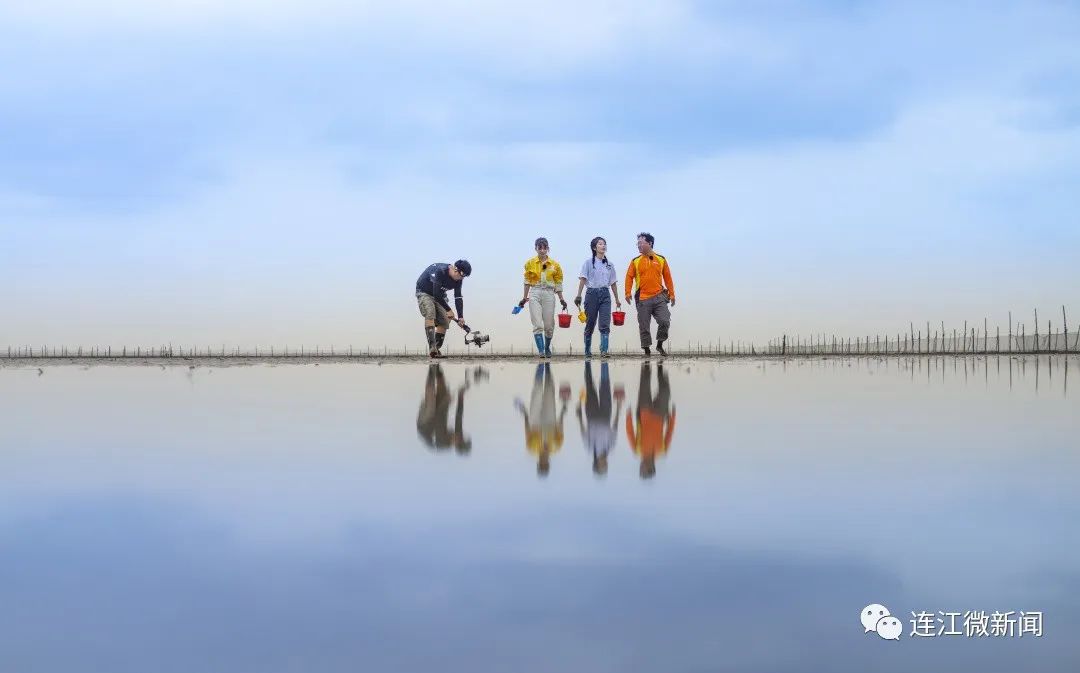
column 435, row 281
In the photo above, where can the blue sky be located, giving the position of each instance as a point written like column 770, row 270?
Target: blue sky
column 281, row 172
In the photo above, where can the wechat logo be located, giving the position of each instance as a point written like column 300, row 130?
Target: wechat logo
column 877, row 618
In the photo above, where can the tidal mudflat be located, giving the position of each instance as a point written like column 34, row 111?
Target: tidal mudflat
column 515, row 516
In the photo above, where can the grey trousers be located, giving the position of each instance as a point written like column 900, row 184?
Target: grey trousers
column 653, row 307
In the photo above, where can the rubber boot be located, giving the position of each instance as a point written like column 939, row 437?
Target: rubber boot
column 603, row 345
column 547, row 347
column 588, row 346
column 660, row 348
column 539, row 339
column 433, row 350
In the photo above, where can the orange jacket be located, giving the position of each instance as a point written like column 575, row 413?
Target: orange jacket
column 653, row 274
column 652, row 438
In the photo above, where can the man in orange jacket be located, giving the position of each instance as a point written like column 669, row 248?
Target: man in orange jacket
column 655, row 291
column 655, row 420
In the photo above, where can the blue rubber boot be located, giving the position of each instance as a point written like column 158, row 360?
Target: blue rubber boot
column 603, row 345
column 539, row 338
column 588, row 346
column 547, row 347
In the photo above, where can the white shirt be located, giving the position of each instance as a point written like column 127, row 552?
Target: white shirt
column 599, row 275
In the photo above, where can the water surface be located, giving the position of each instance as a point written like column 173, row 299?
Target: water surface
column 690, row 516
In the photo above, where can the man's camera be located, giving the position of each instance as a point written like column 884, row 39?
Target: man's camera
column 477, row 339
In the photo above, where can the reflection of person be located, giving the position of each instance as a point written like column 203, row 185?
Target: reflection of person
column 543, row 282
column 431, row 289
column 543, row 426
column 599, row 275
column 599, row 428
column 655, row 291
column 655, row 424
column 432, row 421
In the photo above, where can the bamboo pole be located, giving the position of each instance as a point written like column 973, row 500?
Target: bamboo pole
column 1065, row 322
column 1036, row 331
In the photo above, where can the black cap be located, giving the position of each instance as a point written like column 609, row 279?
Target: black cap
column 463, row 266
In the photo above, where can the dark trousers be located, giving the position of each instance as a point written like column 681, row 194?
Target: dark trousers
column 661, row 403
column 597, row 309
column 653, row 307
column 597, row 406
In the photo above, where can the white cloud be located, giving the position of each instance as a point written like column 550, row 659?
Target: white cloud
column 281, row 221
column 548, row 33
column 913, row 208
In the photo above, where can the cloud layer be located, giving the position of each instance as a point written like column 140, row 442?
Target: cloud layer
column 252, row 173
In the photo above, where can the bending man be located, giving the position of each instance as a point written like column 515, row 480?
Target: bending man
column 431, row 289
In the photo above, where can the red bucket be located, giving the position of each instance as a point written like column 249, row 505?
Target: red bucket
column 564, row 320
column 618, row 317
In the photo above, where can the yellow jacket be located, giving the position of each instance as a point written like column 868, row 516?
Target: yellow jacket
column 547, row 274
column 539, row 440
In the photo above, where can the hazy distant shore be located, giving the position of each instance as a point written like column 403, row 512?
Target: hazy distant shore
column 257, row 360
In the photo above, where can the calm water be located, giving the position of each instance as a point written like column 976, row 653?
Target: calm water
column 624, row 517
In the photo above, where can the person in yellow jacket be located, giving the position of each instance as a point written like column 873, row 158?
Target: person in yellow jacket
column 655, row 291
column 655, row 421
column 543, row 426
column 543, row 282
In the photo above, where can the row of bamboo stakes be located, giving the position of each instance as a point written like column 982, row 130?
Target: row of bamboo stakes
column 937, row 342
column 966, row 341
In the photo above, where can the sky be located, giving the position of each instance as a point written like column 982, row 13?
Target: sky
column 257, row 173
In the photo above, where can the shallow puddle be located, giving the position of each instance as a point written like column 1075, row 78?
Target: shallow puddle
column 513, row 516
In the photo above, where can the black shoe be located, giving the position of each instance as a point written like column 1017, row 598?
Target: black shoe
column 660, row 348
column 646, row 349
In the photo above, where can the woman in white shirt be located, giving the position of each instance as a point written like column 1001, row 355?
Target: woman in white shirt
column 598, row 275
column 599, row 427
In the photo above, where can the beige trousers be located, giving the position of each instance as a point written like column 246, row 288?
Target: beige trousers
column 542, row 310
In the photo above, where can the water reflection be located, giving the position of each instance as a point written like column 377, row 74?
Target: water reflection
column 1046, row 370
column 228, row 522
column 433, row 418
column 599, row 411
column 601, row 402
column 543, row 424
column 599, row 426
column 650, row 428
column 1042, row 372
